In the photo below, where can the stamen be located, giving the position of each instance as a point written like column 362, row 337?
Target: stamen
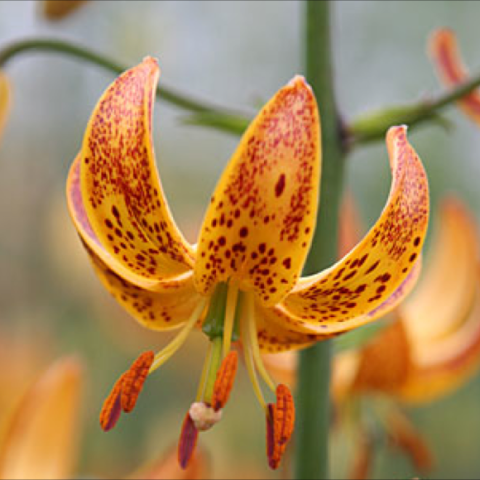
column 165, row 354
column 250, row 363
column 280, row 423
column 112, row 407
column 125, row 392
column 205, row 370
column 232, row 297
column 224, row 382
column 215, row 360
column 134, row 379
column 252, row 332
column 187, row 442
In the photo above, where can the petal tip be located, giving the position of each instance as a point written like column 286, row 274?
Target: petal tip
column 299, row 81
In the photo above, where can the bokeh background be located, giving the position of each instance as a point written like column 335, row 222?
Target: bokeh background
column 237, row 54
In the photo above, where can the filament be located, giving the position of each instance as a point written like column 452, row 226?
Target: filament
column 165, row 354
column 253, row 340
column 232, row 297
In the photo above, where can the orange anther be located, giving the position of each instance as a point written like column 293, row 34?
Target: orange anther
column 280, row 423
column 187, row 442
column 224, row 381
column 134, row 379
column 125, row 392
column 112, row 409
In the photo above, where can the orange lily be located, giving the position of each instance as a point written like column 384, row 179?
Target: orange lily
column 243, row 274
column 445, row 54
column 5, row 100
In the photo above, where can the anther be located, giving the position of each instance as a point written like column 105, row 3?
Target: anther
column 224, row 381
column 125, row 392
column 134, row 380
column 187, row 442
column 280, row 423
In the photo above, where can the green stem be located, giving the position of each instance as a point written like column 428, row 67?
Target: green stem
column 219, row 117
column 313, row 404
column 374, row 125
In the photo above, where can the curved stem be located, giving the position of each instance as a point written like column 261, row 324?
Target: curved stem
column 313, row 406
column 374, row 125
column 220, row 117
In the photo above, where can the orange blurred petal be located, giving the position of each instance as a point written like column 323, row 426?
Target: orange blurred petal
column 167, row 467
column 5, row 101
column 42, row 439
column 59, row 9
column 260, row 222
column 446, row 57
column 385, row 362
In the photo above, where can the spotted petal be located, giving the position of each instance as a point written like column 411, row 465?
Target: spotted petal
column 159, row 310
column 5, row 100
column 372, row 272
column 120, row 188
column 446, row 57
column 261, row 218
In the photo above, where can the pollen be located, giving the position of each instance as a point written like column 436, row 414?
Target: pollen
column 224, row 381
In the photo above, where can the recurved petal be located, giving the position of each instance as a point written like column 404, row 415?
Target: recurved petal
column 447, row 290
column 164, row 309
column 276, row 334
column 260, row 222
column 76, row 207
column 5, row 100
column 446, row 57
column 42, row 439
column 120, row 187
column 442, row 366
column 348, row 294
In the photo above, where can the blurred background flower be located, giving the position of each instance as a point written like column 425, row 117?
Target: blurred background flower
column 236, row 53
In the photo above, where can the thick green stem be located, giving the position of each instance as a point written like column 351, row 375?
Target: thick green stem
column 218, row 117
column 313, row 403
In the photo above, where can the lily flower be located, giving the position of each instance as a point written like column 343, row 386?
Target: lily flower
column 445, row 55
column 242, row 279
column 5, row 100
